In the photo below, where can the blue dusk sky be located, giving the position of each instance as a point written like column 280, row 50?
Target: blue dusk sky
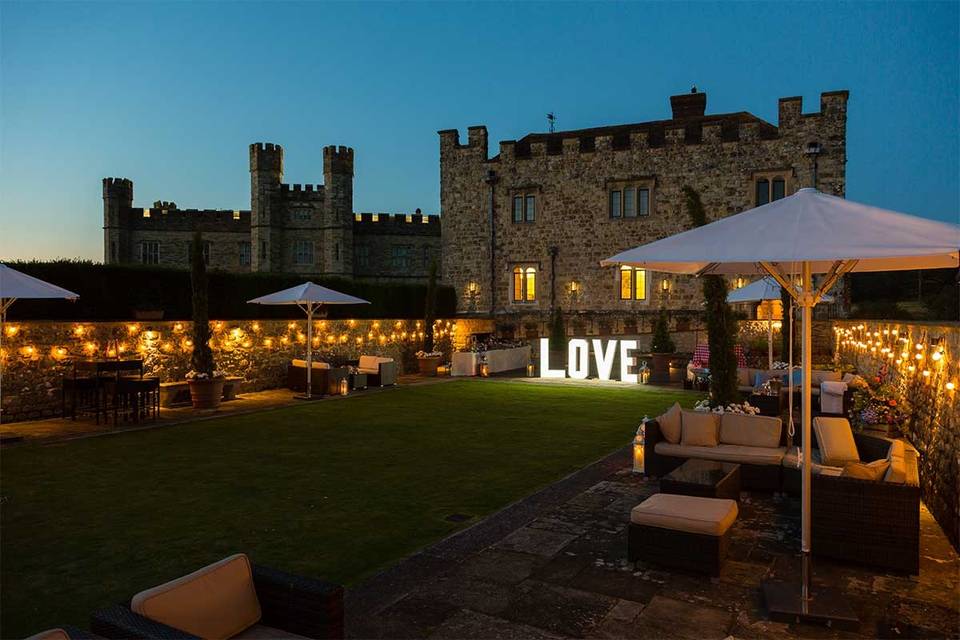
column 171, row 94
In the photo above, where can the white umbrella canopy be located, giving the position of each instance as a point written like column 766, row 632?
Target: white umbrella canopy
column 309, row 297
column 763, row 290
column 805, row 233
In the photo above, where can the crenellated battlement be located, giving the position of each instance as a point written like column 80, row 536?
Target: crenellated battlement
column 266, row 157
column 303, row 191
column 400, row 223
column 689, row 126
column 160, row 219
column 338, row 159
column 118, row 188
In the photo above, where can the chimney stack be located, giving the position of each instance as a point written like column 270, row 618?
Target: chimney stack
column 689, row 105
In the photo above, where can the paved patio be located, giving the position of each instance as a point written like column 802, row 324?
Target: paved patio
column 554, row 566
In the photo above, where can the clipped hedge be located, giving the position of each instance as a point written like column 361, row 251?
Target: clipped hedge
column 117, row 292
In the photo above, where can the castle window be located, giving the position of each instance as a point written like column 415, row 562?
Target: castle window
column 629, row 200
column 426, row 257
column 206, row 253
column 633, row 283
column 150, row 252
column 524, row 208
column 524, row 284
column 400, row 256
column 244, row 248
column 303, row 215
column 146, row 213
column 303, row 252
column 769, row 186
column 113, row 251
column 362, row 253
column 336, row 251
column 263, row 250
column 236, row 216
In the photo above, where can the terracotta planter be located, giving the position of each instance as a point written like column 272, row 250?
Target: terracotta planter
column 206, row 394
column 428, row 366
column 660, row 369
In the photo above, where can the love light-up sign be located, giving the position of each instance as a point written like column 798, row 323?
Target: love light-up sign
column 578, row 359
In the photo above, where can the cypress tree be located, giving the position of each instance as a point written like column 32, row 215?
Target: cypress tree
column 202, row 359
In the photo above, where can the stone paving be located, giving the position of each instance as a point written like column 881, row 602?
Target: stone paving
column 554, row 566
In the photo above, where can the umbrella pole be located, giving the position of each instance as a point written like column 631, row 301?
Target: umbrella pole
column 309, row 349
column 786, row 601
column 769, row 342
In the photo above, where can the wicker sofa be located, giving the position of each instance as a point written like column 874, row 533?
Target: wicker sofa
column 760, row 466
column 324, row 379
column 282, row 604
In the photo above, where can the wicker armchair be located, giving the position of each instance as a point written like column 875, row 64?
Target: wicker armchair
column 64, row 632
column 322, row 381
column 296, row 604
column 869, row 522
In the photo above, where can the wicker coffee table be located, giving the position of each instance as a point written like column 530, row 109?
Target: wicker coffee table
column 704, row 478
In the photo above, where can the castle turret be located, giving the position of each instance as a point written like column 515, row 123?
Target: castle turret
column 338, row 190
column 117, row 200
column 266, row 174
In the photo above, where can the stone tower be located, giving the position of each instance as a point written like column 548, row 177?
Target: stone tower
column 266, row 174
column 338, row 190
column 117, row 199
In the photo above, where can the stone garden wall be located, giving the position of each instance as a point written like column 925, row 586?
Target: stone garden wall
column 36, row 355
column 922, row 362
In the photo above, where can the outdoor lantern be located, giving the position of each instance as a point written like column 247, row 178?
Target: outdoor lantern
column 638, row 442
column 531, row 370
column 484, row 370
column 665, row 285
column 344, row 387
column 644, row 374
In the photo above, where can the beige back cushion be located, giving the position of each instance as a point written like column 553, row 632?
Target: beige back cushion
column 835, row 437
column 700, row 429
column 750, row 431
column 818, row 376
column 372, row 362
column 743, row 377
column 316, row 365
column 897, row 471
column 670, row 423
column 216, row 602
column 866, row 471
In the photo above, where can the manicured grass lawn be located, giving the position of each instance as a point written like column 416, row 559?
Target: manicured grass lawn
column 338, row 489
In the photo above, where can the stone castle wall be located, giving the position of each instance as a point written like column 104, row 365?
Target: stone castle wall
column 571, row 175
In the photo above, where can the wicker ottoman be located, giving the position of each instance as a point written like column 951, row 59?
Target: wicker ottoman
column 682, row 532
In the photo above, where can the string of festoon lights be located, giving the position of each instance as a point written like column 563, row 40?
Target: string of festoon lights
column 922, row 358
column 139, row 338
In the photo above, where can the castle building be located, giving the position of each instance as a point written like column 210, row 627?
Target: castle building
column 524, row 231
column 304, row 229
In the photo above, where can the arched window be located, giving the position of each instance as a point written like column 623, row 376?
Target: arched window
column 530, row 285
column 524, row 284
column 633, row 283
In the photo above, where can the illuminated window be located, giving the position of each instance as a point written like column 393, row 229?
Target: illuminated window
column 150, row 252
column 303, row 252
column 146, row 213
column 236, row 215
column 524, row 208
column 524, row 284
column 633, row 283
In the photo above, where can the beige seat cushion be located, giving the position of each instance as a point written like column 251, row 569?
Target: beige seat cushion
column 792, row 456
column 819, row 376
column 51, row 634
column 700, row 429
column 692, row 514
column 835, row 438
column 263, row 632
column 724, row 453
column 316, row 365
column 751, row 431
column 216, row 602
column 670, row 423
column 872, row 471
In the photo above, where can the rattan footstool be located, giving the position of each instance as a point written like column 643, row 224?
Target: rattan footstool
column 682, row 532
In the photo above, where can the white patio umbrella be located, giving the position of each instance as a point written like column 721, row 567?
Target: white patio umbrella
column 14, row 286
column 806, row 233
column 309, row 297
column 763, row 290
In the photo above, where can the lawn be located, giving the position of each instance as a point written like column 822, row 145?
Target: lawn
column 338, row 489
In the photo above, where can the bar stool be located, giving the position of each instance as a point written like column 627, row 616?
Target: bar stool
column 80, row 395
column 138, row 397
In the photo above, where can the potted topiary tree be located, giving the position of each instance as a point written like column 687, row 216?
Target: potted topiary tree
column 428, row 359
column 662, row 349
column 206, row 383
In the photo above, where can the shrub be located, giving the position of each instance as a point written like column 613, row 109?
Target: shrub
column 661, row 341
column 202, row 359
column 558, row 336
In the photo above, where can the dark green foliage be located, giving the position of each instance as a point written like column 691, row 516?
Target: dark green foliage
column 114, row 292
column 430, row 308
column 721, row 323
column 202, row 359
column 932, row 294
column 722, row 336
column 883, row 308
column 558, row 335
column 661, row 341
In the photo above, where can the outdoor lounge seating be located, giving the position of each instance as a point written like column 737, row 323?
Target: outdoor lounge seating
column 64, row 633
column 324, row 379
column 229, row 599
column 381, row 372
column 685, row 532
column 757, row 443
